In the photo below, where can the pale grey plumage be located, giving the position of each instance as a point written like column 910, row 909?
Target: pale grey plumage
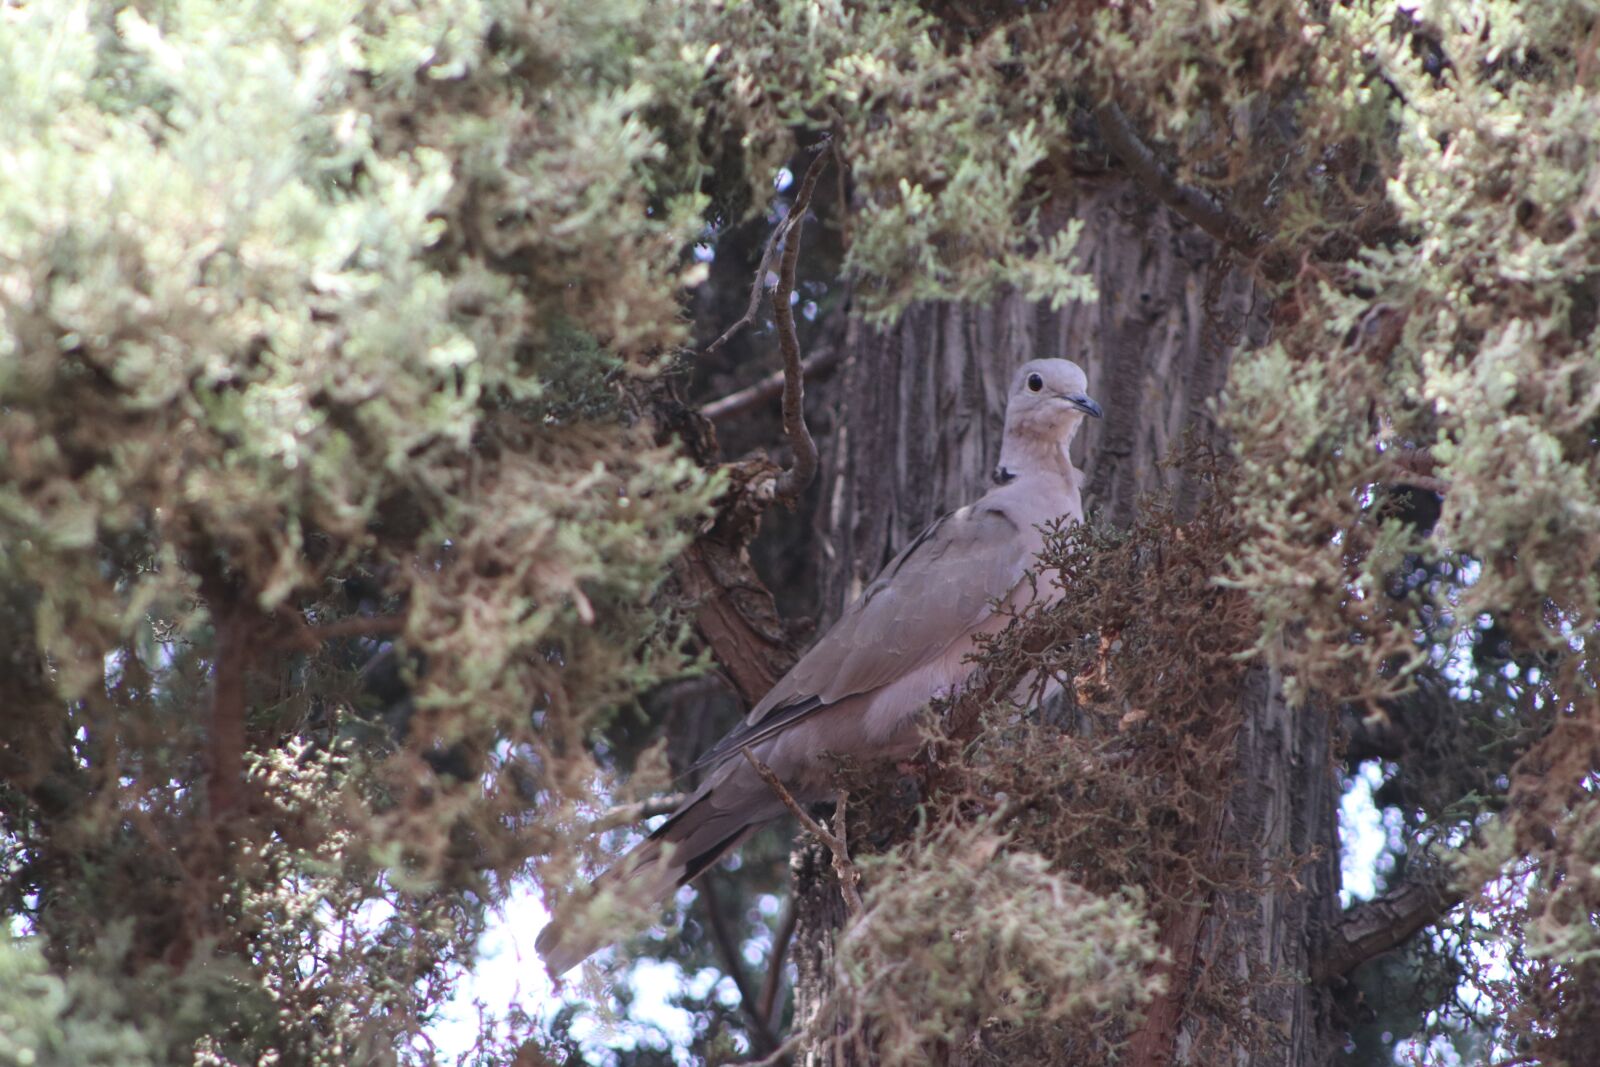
column 902, row 643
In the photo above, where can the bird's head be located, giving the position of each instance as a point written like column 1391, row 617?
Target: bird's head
column 1049, row 398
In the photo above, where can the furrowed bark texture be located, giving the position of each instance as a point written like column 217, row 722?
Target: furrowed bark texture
column 920, row 413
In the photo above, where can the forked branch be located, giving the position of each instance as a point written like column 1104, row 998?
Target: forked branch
column 780, row 948
column 835, row 839
column 757, row 286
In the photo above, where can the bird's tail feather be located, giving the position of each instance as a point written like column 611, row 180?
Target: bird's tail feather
column 678, row 851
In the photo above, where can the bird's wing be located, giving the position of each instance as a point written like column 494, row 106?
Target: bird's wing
column 936, row 591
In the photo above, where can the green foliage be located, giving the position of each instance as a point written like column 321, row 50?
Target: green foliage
column 36, row 1027
column 100, row 1014
column 948, row 182
column 1490, row 371
column 325, row 315
column 346, row 315
column 1453, row 347
column 957, row 903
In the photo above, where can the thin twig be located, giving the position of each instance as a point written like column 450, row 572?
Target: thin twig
column 1414, row 467
column 793, row 482
column 1426, row 482
column 308, row 638
column 628, row 814
column 733, row 968
column 846, row 870
column 1375, row 335
column 816, row 829
column 768, row 1004
column 359, row 626
column 781, row 1055
column 769, row 387
column 1196, row 205
column 757, row 287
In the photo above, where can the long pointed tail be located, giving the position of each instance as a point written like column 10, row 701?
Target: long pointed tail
column 694, row 838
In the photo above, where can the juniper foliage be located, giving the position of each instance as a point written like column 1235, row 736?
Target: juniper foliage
column 337, row 503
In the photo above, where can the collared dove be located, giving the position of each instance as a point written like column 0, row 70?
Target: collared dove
column 904, row 642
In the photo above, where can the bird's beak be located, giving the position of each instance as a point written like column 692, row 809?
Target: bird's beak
column 1083, row 404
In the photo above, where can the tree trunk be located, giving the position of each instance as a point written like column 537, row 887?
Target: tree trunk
column 920, row 412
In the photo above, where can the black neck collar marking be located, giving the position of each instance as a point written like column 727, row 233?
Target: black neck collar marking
column 1003, row 476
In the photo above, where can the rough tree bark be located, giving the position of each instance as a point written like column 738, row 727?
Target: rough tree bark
column 918, row 431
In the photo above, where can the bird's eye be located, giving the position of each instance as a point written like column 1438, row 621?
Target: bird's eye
column 1035, row 383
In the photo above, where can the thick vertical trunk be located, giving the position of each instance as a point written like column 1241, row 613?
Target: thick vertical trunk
column 918, row 432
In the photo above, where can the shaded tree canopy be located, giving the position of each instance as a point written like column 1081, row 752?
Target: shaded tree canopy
column 363, row 545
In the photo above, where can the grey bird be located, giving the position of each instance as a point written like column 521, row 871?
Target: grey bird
column 904, row 642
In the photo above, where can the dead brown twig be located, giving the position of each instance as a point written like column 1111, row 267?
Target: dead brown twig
column 793, row 481
column 737, row 617
column 1407, row 475
column 835, row 839
column 769, row 387
column 792, row 221
column 757, row 287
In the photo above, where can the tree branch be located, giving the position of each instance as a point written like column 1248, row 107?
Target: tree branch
column 1374, row 927
column 1370, row 738
column 769, row 387
column 1196, row 205
column 1373, row 337
column 1422, row 481
column 733, row 967
column 736, row 616
column 793, row 482
column 627, row 814
column 1415, row 467
column 308, row 638
column 225, row 720
column 780, row 949
column 1154, row 1044
column 757, row 286
column 834, row 839
column 782, row 1054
